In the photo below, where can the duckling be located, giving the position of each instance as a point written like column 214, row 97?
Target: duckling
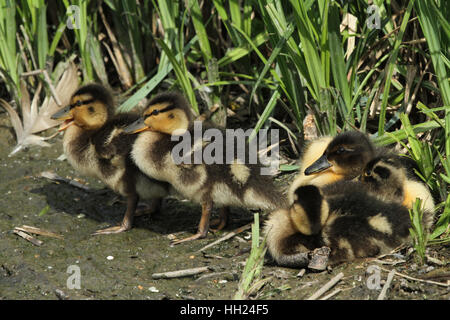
column 342, row 216
column 392, row 177
column 327, row 159
column 167, row 119
column 96, row 146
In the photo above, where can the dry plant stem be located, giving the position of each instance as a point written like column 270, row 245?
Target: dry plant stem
column 52, row 88
column 227, row 236
column 39, row 231
column 54, row 177
column 47, row 80
column 416, row 89
column 386, row 36
column 326, row 287
column 123, row 71
column 335, row 292
column 27, row 237
column 383, row 292
column 29, row 47
column 179, row 273
column 416, row 279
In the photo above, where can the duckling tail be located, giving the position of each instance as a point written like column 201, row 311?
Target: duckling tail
column 286, row 246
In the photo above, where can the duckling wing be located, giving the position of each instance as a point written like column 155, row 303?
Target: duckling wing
column 111, row 140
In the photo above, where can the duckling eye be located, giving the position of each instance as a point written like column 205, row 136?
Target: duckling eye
column 154, row 112
column 78, row 103
column 340, row 150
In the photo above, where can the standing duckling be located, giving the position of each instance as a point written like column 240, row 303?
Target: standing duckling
column 343, row 216
column 96, row 146
column 167, row 119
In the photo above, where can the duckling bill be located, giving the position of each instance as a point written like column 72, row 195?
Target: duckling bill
column 96, row 146
column 346, row 155
column 330, row 159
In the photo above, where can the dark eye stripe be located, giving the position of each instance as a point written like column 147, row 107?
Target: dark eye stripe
column 80, row 103
column 158, row 111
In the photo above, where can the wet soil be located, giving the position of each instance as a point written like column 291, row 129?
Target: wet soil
column 120, row 266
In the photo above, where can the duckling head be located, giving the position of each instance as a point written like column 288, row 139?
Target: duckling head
column 167, row 113
column 90, row 107
column 345, row 156
column 386, row 176
column 310, row 210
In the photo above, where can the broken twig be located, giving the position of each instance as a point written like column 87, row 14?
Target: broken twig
column 391, row 275
column 179, row 273
column 326, row 287
column 328, row 296
column 54, row 177
column 227, row 236
column 39, row 231
column 27, row 237
column 419, row 280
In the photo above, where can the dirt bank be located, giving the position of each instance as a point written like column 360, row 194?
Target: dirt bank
column 121, row 266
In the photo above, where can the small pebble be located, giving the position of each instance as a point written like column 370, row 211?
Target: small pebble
column 153, row 289
column 430, row 268
column 171, row 236
column 81, row 215
column 223, row 281
column 110, row 257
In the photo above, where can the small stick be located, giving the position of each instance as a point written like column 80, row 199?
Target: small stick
column 331, row 294
column 391, row 275
column 27, row 237
column 392, row 263
column 179, row 273
column 39, row 231
column 227, row 236
column 416, row 279
column 53, row 176
column 210, row 275
column 31, row 73
column 327, row 286
column 436, row 261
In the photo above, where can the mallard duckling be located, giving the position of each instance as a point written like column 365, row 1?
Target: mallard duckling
column 327, row 159
column 168, row 118
column 343, row 216
column 392, row 177
column 96, row 146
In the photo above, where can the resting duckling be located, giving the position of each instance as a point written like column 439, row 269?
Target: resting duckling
column 96, row 146
column 168, row 119
column 342, row 216
column 327, row 160
column 392, row 177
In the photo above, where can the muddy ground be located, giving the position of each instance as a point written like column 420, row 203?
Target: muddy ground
column 121, row 266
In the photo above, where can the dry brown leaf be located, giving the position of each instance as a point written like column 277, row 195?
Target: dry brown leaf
column 37, row 119
column 66, row 86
